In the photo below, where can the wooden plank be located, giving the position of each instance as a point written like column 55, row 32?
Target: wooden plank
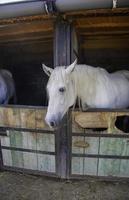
column 85, row 145
column 17, row 159
column 124, row 165
column 75, row 127
column 27, row 118
column 7, row 157
column 97, row 12
column 46, row 163
column 40, row 120
column 77, row 165
column 113, row 21
column 24, row 19
column 29, row 141
column 110, row 32
column 109, row 167
column 16, row 141
column 5, row 140
column 84, row 166
column 62, row 57
column 1, row 157
column 98, row 120
column 45, row 142
column 30, row 160
column 106, row 44
column 90, row 166
column 124, row 168
column 9, row 117
column 10, row 30
column 112, row 146
column 27, row 38
column 6, row 154
column 23, row 140
column 75, row 146
column 2, row 118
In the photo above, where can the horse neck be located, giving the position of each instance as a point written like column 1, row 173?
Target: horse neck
column 82, row 77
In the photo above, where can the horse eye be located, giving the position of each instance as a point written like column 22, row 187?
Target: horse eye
column 62, row 89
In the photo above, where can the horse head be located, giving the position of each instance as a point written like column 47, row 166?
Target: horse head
column 61, row 92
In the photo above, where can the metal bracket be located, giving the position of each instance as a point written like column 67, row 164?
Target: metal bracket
column 114, row 2
column 50, row 7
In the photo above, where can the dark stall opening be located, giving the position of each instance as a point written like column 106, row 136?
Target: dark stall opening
column 23, row 48
column 104, row 39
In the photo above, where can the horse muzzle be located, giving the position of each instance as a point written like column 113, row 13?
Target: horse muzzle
column 53, row 120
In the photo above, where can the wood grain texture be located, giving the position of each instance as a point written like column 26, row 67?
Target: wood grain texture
column 29, row 118
column 29, row 141
column 109, row 167
column 40, row 119
column 77, row 165
column 46, row 163
column 84, row 166
column 92, row 145
column 6, row 154
column 45, row 142
column 7, row 157
column 98, row 120
column 113, row 146
column 90, row 166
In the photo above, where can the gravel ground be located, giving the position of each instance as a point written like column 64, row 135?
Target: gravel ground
column 16, row 186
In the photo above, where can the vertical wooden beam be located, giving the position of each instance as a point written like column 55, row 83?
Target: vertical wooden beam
column 62, row 57
column 62, row 43
column 1, row 157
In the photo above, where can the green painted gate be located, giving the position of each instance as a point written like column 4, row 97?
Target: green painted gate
column 29, row 145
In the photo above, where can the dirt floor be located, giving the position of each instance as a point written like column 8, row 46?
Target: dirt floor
column 15, row 186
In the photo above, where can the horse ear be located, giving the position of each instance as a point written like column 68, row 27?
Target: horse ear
column 47, row 70
column 71, row 67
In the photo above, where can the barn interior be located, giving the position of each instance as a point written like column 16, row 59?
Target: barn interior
column 104, row 38
column 27, row 42
column 24, row 46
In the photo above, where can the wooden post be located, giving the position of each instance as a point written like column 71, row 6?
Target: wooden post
column 1, row 157
column 63, row 56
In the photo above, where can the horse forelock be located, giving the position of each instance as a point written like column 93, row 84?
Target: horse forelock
column 58, row 76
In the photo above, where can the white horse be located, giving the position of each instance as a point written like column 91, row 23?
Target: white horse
column 7, row 87
column 95, row 87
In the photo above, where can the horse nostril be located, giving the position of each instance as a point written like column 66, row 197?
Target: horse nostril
column 52, row 123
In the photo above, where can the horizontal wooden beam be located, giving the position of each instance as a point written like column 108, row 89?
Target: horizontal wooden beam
column 88, row 33
column 27, row 38
column 24, row 19
column 98, row 120
column 97, row 12
column 98, row 22
column 105, row 43
column 19, row 29
column 103, row 31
